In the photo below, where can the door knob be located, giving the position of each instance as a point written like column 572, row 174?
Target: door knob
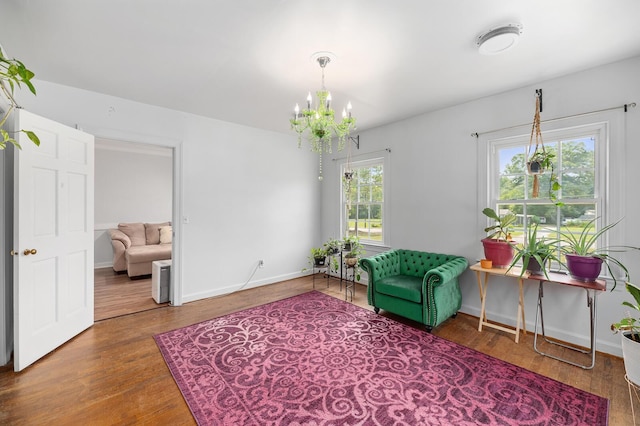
column 27, row 252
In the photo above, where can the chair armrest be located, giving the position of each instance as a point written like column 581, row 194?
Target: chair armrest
column 446, row 272
column 117, row 235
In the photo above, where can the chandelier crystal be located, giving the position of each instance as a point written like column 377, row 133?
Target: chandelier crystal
column 319, row 122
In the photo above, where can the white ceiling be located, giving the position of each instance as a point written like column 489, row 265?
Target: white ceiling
column 248, row 61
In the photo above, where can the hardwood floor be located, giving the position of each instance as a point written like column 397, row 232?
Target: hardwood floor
column 113, row 373
column 117, row 294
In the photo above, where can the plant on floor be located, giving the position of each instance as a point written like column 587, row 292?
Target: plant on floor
column 580, row 250
column 628, row 323
column 630, row 328
column 13, row 73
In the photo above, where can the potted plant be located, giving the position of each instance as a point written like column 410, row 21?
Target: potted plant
column 535, row 253
column 353, row 255
column 540, row 161
column 333, row 246
column 13, row 73
column 630, row 328
column 348, row 241
column 584, row 260
column 318, row 256
column 497, row 246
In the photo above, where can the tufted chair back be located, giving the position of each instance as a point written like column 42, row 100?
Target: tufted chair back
column 418, row 263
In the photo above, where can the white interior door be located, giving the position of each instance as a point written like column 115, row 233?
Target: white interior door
column 53, row 237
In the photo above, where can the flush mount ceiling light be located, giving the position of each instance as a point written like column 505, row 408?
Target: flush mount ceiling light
column 499, row 39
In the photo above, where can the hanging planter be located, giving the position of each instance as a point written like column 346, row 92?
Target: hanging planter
column 539, row 160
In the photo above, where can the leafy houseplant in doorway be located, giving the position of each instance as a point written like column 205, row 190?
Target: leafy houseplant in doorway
column 497, row 246
column 584, row 260
column 13, row 73
column 630, row 328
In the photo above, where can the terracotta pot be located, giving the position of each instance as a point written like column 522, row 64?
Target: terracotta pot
column 499, row 252
column 486, row 263
column 584, row 268
column 631, row 355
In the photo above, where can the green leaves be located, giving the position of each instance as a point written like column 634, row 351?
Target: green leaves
column 34, row 138
column 14, row 73
column 502, row 228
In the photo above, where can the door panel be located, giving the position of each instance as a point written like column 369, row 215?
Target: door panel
column 53, row 237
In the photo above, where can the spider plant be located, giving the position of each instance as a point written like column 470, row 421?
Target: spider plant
column 584, row 244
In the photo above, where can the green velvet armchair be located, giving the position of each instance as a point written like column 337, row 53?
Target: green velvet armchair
column 417, row 285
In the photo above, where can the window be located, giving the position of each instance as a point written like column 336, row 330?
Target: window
column 363, row 201
column 579, row 166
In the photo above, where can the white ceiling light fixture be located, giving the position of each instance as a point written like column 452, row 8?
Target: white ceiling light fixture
column 499, row 39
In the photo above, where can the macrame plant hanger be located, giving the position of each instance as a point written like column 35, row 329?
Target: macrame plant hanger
column 539, row 146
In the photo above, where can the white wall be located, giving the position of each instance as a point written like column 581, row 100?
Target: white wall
column 132, row 184
column 247, row 194
column 434, row 202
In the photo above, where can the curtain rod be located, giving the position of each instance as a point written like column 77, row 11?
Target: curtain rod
column 625, row 106
column 360, row 155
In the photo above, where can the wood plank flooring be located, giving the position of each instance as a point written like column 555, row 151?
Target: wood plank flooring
column 117, row 294
column 113, row 373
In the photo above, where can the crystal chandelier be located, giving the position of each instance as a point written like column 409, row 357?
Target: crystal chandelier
column 320, row 121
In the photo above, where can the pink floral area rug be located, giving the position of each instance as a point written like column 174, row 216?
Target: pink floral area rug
column 316, row 360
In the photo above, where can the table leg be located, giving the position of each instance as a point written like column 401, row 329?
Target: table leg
column 483, row 299
column 591, row 303
column 524, row 323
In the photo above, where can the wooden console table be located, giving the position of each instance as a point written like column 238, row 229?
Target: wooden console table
column 592, row 289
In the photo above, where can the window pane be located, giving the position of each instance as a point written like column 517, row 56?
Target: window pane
column 578, row 168
column 364, row 199
column 365, row 193
column 512, row 177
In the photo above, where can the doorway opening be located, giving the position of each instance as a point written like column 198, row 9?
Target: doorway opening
column 134, row 183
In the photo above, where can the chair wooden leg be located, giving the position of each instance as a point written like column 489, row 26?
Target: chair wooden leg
column 429, row 328
column 376, row 310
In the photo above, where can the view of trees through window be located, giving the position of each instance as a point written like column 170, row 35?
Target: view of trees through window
column 577, row 199
column 363, row 202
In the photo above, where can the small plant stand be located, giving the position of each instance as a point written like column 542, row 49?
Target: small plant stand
column 349, row 282
column 319, row 269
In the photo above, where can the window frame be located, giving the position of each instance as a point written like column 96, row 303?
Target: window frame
column 368, row 162
column 609, row 191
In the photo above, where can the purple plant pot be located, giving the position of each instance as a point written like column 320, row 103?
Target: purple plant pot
column 584, row 268
column 499, row 252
